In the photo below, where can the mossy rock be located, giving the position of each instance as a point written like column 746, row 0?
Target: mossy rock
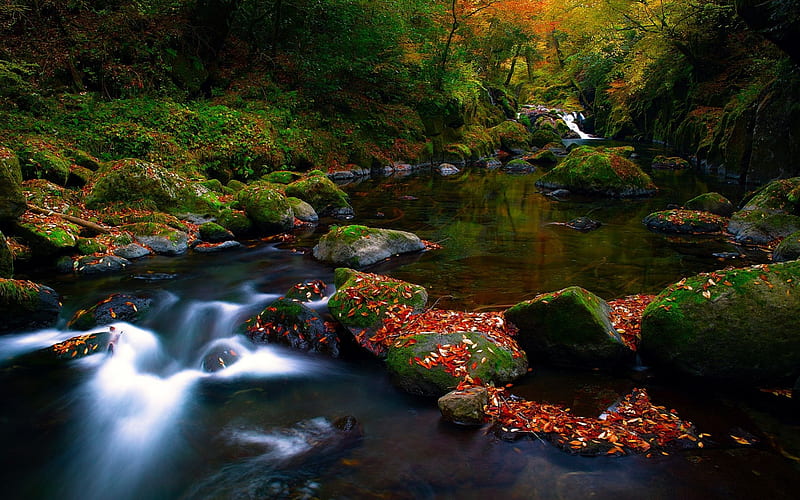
column 6, row 258
column 771, row 213
column 570, row 327
column 235, row 221
column 780, row 196
column 360, row 246
column 12, row 201
column 321, row 193
column 84, row 159
column 519, row 165
column 302, row 210
column 670, row 163
column 543, row 156
column 362, row 300
column 42, row 161
column 787, row 249
column 734, row 324
column 267, row 208
column 597, row 171
column 125, row 217
column 161, row 238
column 27, row 305
column 43, row 193
column 711, row 202
column 236, row 185
column 47, row 240
column 541, row 137
column 512, row 135
column 487, row 363
column 685, row 222
column 282, row 177
column 307, row 291
column 133, row 180
column 290, row 322
column 116, row 307
column 87, row 246
column 214, row 233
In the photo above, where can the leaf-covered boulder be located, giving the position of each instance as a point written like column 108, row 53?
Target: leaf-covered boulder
column 738, row 324
column 47, row 236
column 12, row 201
column 73, row 348
column 117, row 307
column 135, row 181
column 711, row 202
column 308, row 291
column 433, row 364
column 570, row 327
column 292, row 323
column 771, row 213
column 684, row 222
column 27, row 305
column 322, row 194
column 267, row 208
column 598, row 171
column 787, row 249
column 6, row 258
column 360, row 246
column 160, row 238
column 466, row 406
column 105, row 264
column 363, row 300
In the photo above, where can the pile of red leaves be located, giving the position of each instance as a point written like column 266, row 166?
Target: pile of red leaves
column 626, row 316
column 634, row 425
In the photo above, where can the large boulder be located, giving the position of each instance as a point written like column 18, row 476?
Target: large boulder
column 116, row 307
column 739, row 324
column 47, row 236
column 787, row 249
column 267, row 208
column 292, row 323
column 360, row 246
column 322, row 194
column 302, row 210
column 773, row 212
column 135, row 181
column 162, row 239
column 570, row 327
column 27, row 305
column 685, row 222
column 432, row 364
column 40, row 160
column 6, row 258
column 711, row 202
column 598, row 171
column 12, row 201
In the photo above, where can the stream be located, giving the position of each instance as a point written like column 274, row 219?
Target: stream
column 148, row 423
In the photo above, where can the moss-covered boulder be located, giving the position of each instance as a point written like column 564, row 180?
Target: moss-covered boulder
column 292, row 323
column 543, row 136
column 714, row 203
column 542, row 157
column 433, row 364
column 670, row 163
column 322, row 194
column 48, row 236
column 214, row 233
column 12, row 201
column 134, row 181
column 6, row 258
column 160, row 238
column 117, row 307
column 597, row 171
column 685, row 222
column 736, row 324
column 513, row 136
column 466, row 406
column 282, row 177
column 307, row 291
column 360, row 246
column 236, row 221
column 570, row 327
column 27, row 305
column 267, row 208
column 303, row 211
column 787, row 249
column 363, row 300
column 518, row 165
column 43, row 161
column 772, row 212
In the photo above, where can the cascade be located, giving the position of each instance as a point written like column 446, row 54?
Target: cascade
column 571, row 119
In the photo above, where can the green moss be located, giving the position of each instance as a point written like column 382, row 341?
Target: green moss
column 319, row 192
column 267, row 208
column 6, row 258
column 282, row 177
column 88, row 246
column 42, row 162
column 18, row 293
column 235, row 221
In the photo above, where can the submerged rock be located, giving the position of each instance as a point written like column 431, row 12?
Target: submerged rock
column 25, row 305
column 116, row 307
column 570, row 327
column 584, row 224
column 360, row 246
column 684, row 222
column 221, row 357
column 292, row 323
column 736, row 324
column 598, row 171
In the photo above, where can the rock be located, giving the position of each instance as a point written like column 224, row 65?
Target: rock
column 598, row 171
column 303, row 211
column 711, row 202
column 236, row 221
column 220, row 357
column 772, row 212
column 6, row 258
column 12, row 201
column 43, row 161
column 787, row 249
column 558, row 194
column 734, row 324
column 281, row 177
column 364, row 299
column 489, row 163
column 134, row 180
column 570, row 327
column 447, row 169
column 267, row 208
column 584, row 224
column 88, row 246
column 73, row 348
column 290, row 322
column 360, row 246
column 161, row 239
column 322, row 194
column 543, row 156
column 25, row 305
column 486, row 361
column 512, row 135
column 57, row 237
column 131, row 251
column 307, row 291
column 116, row 307
column 670, row 163
column 465, row 407
column 217, row 247
column 519, row 166
column 90, row 265
column 214, row 233
column 684, row 222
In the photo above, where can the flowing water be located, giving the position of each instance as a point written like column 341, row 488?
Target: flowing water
column 148, row 423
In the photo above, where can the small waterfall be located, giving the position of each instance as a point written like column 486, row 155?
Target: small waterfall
column 571, row 119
